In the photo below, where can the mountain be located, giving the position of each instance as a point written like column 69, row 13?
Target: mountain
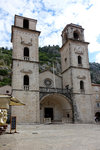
column 95, row 72
column 49, row 57
column 5, row 66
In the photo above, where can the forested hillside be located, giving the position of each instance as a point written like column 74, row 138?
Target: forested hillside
column 5, row 66
column 49, row 57
column 95, row 72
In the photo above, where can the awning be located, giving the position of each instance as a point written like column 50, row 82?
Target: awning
column 15, row 102
column 6, row 100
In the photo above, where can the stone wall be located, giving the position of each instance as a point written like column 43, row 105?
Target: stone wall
column 79, row 74
column 25, row 39
column 96, row 97
column 19, row 22
column 84, row 106
column 49, row 75
column 21, row 68
column 30, row 112
column 5, row 90
column 65, row 59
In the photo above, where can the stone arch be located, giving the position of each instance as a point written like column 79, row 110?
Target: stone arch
column 26, row 82
column 97, row 116
column 59, row 105
column 26, row 51
column 81, row 85
column 79, row 60
column 76, row 35
column 26, row 23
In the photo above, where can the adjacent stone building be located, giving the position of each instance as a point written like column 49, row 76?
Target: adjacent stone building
column 6, row 90
column 96, row 100
column 67, row 98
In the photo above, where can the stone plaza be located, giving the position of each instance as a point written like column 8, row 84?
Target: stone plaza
column 52, row 137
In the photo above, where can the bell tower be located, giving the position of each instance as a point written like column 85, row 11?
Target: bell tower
column 75, row 71
column 25, row 69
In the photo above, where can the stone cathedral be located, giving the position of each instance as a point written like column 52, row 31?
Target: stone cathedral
column 72, row 98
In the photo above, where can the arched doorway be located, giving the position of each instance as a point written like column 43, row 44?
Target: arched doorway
column 97, row 116
column 56, row 107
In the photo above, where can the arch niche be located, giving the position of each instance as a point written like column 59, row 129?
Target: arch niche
column 97, row 115
column 57, row 107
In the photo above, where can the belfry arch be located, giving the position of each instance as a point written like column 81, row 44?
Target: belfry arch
column 57, row 107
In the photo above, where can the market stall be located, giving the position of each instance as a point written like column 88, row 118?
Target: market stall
column 5, row 102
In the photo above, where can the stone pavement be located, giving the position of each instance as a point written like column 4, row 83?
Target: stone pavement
column 53, row 137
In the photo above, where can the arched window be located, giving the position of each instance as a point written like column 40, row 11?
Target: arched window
column 68, row 115
column 76, row 35
column 26, row 24
column 81, row 85
column 26, row 53
column 79, row 60
column 26, row 82
column 65, row 59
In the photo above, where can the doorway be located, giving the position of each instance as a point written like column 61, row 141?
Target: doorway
column 48, row 113
column 97, row 115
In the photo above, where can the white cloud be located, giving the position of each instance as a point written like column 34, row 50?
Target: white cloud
column 98, row 58
column 52, row 17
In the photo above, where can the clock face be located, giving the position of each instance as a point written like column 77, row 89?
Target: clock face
column 48, row 82
column 79, row 49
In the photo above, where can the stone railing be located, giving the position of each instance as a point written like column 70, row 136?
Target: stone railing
column 26, row 87
column 26, row 58
column 46, row 90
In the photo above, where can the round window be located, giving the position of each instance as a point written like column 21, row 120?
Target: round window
column 48, row 82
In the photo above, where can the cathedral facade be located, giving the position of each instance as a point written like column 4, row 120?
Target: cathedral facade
column 67, row 98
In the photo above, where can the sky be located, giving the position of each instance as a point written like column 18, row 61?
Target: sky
column 52, row 16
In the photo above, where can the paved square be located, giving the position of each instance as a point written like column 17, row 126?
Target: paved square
column 53, row 137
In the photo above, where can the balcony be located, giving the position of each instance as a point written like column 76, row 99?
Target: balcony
column 82, row 91
column 47, row 90
column 26, row 58
column 26, row 87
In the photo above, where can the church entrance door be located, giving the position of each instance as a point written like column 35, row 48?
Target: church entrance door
column 48, row 113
